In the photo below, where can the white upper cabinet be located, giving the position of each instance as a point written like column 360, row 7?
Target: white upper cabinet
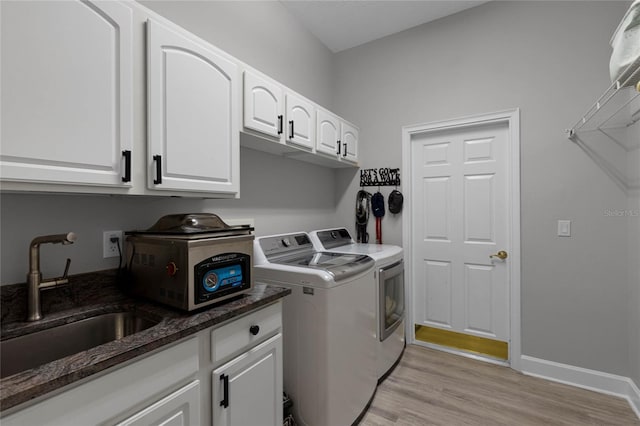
column 349, row 138
column 328, row 134
column 301, row 122
column 193, row 129
column 263, row 102
column 66, row 93
column 336, row 138
column 289, row 124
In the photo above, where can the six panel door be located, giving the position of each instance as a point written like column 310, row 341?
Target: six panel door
column 460, row 195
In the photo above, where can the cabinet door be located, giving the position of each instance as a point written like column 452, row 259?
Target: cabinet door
column 180, row 408
column 262, row 105
column 120, row 390
column 301, row 122
column 349, row 137
column 193, row 114
column 328, row 133
column 66, row 92
column 247, row 391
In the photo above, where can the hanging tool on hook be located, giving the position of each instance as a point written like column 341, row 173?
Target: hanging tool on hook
column 363, row 206
column 377, row 206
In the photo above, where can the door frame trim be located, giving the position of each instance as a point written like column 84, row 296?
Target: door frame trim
column 511, row 118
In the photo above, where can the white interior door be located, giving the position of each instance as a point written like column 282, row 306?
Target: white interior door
column 460, row 218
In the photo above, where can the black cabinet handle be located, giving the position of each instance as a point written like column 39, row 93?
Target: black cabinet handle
column 225, row 390
column 339, row 147
column 127, row 166
column 280, row 123
column 291, row 129
column 344, row 149
column 158, row 161
column 254, row 329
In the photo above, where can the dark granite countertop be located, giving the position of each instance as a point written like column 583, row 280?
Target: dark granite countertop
column 94, row 294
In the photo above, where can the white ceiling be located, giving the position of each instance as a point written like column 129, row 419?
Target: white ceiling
column 343, row 24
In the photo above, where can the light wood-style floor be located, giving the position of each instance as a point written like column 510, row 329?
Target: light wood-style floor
column 431, row 387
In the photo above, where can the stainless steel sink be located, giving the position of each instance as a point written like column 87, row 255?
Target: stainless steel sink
column 35, row 349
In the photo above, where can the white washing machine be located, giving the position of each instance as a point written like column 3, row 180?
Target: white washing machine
column 389, row 285
column 329, row 327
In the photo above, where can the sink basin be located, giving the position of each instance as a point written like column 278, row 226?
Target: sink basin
column 35, row 349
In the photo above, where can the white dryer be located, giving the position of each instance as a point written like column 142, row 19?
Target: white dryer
column 389, row 286
column 329, row 327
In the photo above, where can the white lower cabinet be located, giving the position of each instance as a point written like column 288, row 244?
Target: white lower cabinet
column 117, row 394
column 180, row 408
column 247, row 391
column 182, row 385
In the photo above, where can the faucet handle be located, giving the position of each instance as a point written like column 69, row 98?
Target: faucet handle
column 66, row 269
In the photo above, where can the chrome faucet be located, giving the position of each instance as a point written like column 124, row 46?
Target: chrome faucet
column 34, row 277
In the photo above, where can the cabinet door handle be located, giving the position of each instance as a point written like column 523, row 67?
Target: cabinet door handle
column 344, row 149
column 339, row 147
column 158, row 161
column 225, row 390
column 280, row 123
column 127, row 166
column 291, row 129
column 254, row 329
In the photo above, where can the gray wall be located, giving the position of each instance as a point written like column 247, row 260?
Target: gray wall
column 551, row 60
column 275, row 194
column 280, row 194
column 264, row 35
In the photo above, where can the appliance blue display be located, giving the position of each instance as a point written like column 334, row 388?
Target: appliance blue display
column 228, row 276
column 221, row 276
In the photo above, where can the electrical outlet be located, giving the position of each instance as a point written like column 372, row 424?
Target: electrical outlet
column 110, row 249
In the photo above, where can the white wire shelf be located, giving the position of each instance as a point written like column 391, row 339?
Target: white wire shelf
column 618, row 107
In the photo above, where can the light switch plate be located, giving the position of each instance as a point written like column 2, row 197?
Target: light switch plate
column 564, row 228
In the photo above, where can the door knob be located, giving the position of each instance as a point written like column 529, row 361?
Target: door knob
column 502, row 255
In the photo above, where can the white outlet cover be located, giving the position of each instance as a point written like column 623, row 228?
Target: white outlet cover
column 110, row 249
column 564, row 228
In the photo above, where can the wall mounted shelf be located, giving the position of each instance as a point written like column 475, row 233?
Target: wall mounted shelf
column 618, row 107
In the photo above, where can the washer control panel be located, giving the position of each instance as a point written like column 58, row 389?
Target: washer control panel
column 283, row 244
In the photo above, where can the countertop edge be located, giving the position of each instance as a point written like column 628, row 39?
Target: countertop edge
column 13, row 391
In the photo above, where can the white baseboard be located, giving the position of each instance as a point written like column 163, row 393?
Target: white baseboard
column 594, row 380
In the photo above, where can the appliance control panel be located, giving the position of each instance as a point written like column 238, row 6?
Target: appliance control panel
column 221, row 275
column 332, row 238
column 281, row 244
